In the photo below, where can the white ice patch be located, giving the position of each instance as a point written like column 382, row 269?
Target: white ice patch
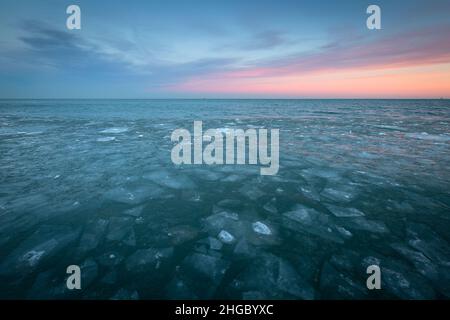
column 115, row 130
column 225, row 237
column 261, row 228
column 32, row 257
column 344, row 212
column 106, row 139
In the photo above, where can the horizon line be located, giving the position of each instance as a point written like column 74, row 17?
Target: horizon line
column 441, row 98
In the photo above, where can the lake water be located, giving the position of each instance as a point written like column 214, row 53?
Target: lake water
column 91, row 183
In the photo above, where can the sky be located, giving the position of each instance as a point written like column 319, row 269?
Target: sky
column 224, row 49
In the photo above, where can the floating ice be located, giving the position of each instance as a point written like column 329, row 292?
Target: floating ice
column 425, row 240
column 89, row 272
column 251, row 191
column 203, row 273
column 271, row 206
column 134, row 194
column 225, row 236
column 106, row 139
column 214, row 244
column 229, row 203
column 309, row 220
column 119, row 227
column 39, row 248
column 261, row 228
column 110, row 259
column 310, row 193
column 92, row 236
column 344, row 212
column 144, row 260
column 134, row 212
column 115, row 130
column 345, row 193
column 274, row 278
column 177, row 289
column 338, row 285
column 166, row 179
column 406, row 285
column 182, row 234
column 423, row 265
column 361, row 223
column 220, row 220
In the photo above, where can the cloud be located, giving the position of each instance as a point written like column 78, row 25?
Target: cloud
column 420, row 47
column 265, row 40
column 41, row 37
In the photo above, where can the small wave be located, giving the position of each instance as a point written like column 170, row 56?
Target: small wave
column 115, row 130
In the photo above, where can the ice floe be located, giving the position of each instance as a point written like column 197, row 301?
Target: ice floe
column 115, row 130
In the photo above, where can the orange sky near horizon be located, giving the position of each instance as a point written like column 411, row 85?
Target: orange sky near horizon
column 424, row 81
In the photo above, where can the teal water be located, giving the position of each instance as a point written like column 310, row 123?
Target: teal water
column 91, row 183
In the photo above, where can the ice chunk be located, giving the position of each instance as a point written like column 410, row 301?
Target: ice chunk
column 271, row 206
column 344, row 232
column 425, row 240
column 310, row 193
column 214, row 244
column 261, row 228
column 342, row 193
column 405, row 285
column 251, row 191
column 273, row 278
column 177, row 289
column 134, row 195
column 89, row 272
column 225, row 237
column 119, row 227
column 110, row 278
column 134, row 212
column 41, row 247
column 110, row 259
column 344, row 212
column 338, row 285
column 115, row 130
column 229, row 203
column 233, row 178
column 92, row 236
column 144, row 260
column 166, row 179
column 218, row 221
column 309, row 220
column 423, row 265
column 182, row 234
column 106, row 139
column 363, row 224
column 130, row 239
column 244, row 250
column 203, row 273
column 49, row 285
column 208, row 175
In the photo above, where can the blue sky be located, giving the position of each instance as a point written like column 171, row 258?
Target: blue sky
column 193, row 49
